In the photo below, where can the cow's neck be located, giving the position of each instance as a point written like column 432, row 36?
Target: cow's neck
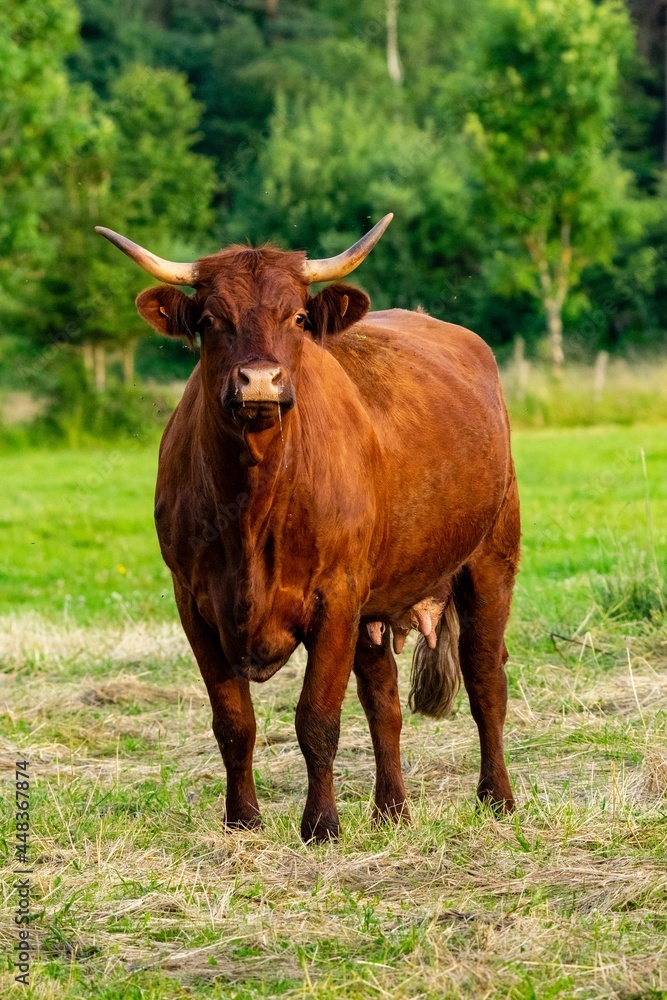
column 252, row 475
column 253, row 501
column 287, row 479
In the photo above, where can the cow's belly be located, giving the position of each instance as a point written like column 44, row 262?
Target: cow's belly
column 394, row 600
column 415, row 565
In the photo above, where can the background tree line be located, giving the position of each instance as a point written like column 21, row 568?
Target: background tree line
column 521, row 144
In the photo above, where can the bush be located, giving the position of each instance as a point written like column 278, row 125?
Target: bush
column 76, row 415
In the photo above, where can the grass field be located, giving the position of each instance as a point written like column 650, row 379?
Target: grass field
column 138, row 892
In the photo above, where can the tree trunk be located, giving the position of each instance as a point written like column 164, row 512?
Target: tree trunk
column 600, row 374
column 100, row 367
column 554, row 283
column 129, row 351
column 88, row 359
column 520, row 369
column 665, row 91
column 393, row 57
column 555, row 328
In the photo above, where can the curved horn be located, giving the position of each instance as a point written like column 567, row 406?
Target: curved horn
column 164, row 270
column 337, row 267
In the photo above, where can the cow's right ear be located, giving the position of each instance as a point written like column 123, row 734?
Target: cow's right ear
column 169, row 311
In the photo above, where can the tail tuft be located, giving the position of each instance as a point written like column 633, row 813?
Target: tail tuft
column 436, row 674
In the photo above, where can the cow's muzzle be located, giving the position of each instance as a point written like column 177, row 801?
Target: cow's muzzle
column 259, row 387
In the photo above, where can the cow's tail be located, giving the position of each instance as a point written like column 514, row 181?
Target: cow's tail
column 436, row 673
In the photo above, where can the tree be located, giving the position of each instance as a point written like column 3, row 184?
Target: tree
column 336, row 161
column 160, row 190
column 211, row 42
column 310, row 142
column 651, row 21
column 541, row 91
column 137, row 174
column 43, row 119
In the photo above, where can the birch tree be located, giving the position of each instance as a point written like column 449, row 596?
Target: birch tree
column 541, row 93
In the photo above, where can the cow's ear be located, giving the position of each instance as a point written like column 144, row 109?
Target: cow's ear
column 169, row 311
column 335, row 308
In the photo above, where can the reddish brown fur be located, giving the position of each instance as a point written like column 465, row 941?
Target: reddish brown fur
column 391, row 481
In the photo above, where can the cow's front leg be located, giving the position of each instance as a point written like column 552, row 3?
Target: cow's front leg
column 329, row 666
column 233, row 716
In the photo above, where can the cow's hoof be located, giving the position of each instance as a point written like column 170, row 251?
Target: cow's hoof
column 501, row 802
column 243, row 821
column 320, row 829
column 391, row 812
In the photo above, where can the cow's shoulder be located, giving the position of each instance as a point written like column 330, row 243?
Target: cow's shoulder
column 394, row 354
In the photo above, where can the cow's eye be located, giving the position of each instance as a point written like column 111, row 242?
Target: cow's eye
column 206, row 322
column 300, row 319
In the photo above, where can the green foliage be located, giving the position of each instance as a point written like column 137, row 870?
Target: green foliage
column 43, row 120
column 157, row 181
column 73, row 161
column 76, row 416
column 331, row 156
column 627, row 298
column 126, row 177
column 213, row 43
column 544, row 84
column 521, row 156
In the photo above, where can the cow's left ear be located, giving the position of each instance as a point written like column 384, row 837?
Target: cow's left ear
column 335, row 308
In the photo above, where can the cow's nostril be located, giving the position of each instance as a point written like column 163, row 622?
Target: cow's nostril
column 244, row 378
column 275, row 375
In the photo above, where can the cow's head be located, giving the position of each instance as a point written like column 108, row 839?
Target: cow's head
column 252, row 310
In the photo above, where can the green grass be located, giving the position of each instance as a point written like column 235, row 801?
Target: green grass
column 78, row 534
column 138, row 892
column 583, row 498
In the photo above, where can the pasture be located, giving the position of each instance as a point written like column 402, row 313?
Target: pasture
column 139, row 893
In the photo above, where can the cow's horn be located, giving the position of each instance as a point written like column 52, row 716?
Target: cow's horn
column 337, row 267
column 164, row 270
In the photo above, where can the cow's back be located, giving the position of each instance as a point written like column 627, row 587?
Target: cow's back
column 402, row 361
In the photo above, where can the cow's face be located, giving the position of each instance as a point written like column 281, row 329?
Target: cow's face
column 252, row 312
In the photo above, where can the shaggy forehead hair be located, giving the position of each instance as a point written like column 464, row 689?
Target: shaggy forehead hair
column 252, row 266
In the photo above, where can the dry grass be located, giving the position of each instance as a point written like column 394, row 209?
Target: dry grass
column 139, row 893
column 632, row 393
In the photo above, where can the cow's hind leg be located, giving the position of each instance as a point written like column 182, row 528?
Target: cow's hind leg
column 233, row 715
column 377, row 686
column 483, row 593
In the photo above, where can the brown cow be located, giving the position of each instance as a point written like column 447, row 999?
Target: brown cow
column 330, row 475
